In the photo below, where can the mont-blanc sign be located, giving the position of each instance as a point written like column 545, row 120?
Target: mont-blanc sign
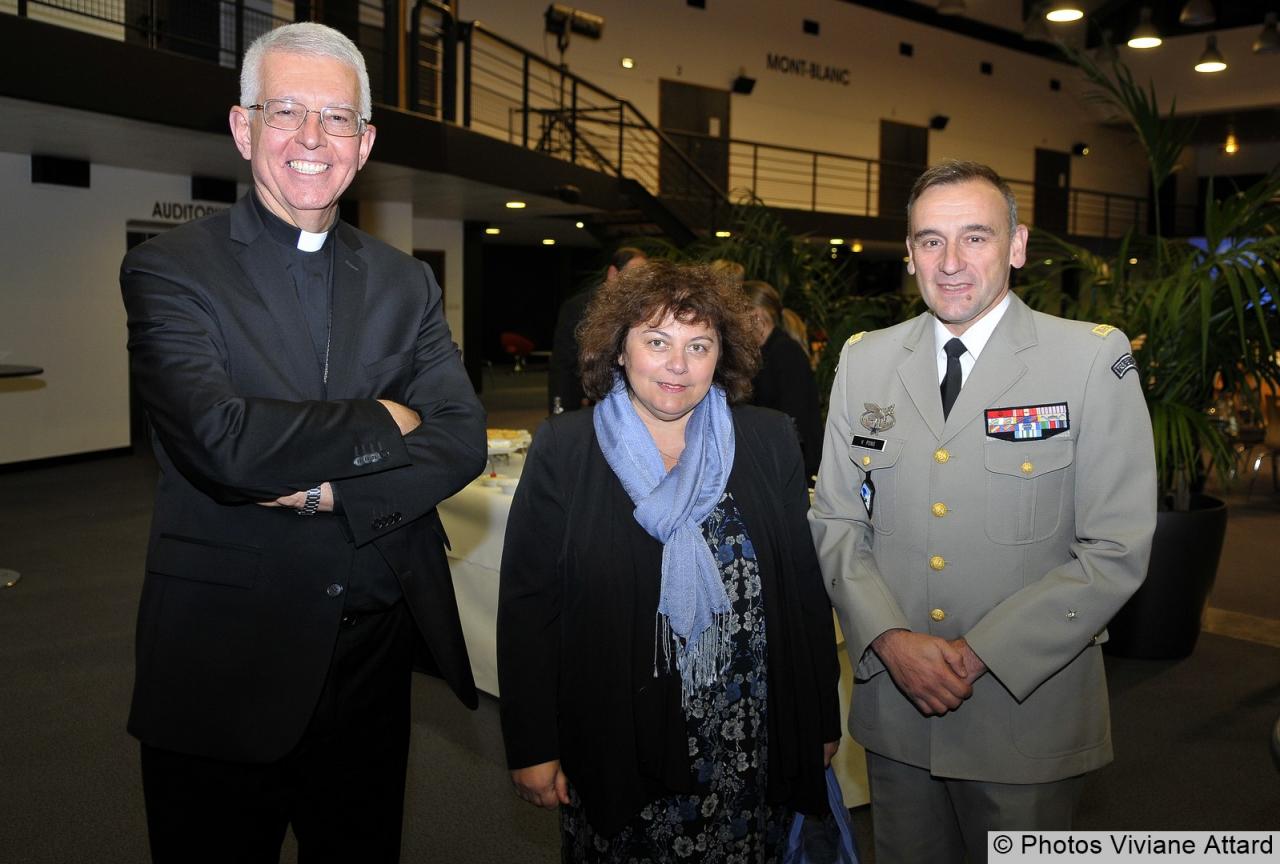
column 802, row 68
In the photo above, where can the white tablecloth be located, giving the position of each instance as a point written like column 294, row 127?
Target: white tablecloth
column 476, row 521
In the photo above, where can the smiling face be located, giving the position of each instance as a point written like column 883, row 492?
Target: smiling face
column 300, row 175
column 961, row 248
column 669, row 366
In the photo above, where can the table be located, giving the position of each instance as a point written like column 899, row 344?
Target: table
column 9, row 578
column 476, row 522
column 9, row 370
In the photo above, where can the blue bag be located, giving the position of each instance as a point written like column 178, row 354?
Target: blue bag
column 823, row 841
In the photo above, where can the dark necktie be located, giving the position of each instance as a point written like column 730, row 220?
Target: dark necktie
column 951, row 381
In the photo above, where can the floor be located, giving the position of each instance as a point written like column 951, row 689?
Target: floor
column 1190, row 735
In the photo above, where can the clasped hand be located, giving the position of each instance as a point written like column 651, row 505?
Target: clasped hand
column 544, row 784
column 936, row 675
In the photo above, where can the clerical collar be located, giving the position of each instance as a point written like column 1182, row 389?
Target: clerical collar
column 288, row 235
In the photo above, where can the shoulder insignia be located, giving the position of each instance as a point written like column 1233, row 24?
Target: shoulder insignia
column 1102, row 330
column 856, row 338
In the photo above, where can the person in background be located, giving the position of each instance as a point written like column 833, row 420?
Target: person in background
column 309, row 411
column 785, row 381
column 795, row 327
column 665, row 645
column 564, row 379
column 732, row 270
column 985, row 505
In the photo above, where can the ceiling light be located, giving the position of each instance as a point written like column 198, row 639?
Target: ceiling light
column 1133, row 260
column 837, row 241
column 547, row 241
column 723, row 234
column 1145, row 34
column 951, row 7
column 1197, row 13
column 628, row 63
column 494, row 231
column 515, row 205
column 1034, row 29
column 1211, row 60
column 579, row 224
column 1080, row 148
column 1106, row 51
column 1063, row 13
column 1268, row 41
column 906, row 259
column 857, row 246
column 1232, row 145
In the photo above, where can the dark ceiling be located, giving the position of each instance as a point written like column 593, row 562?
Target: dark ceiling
column 1121, row 16
column 1118, row 16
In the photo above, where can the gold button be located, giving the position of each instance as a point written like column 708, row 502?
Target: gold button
column 937, row 615
column 937, row 562
column 1027, row 467
column 939, row 509
column 941, row 456
column 866, row 460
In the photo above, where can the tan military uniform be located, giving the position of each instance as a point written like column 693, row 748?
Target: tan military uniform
column 1025, row 546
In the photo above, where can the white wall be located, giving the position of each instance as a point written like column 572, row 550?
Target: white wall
column 389, row 221
column 60, row 305
column 998, row 119
column 445, row 235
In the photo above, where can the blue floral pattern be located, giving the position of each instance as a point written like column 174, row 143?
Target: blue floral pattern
column 727, row 821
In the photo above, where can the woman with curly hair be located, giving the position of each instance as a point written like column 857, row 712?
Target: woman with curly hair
column 666, row 658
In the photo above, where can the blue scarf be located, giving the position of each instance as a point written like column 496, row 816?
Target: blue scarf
column 671, row 507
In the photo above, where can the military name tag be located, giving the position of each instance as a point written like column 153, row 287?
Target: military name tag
column 1027, row 422
column 869, row 443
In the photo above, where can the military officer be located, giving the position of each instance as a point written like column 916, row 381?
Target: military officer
column 985, row 504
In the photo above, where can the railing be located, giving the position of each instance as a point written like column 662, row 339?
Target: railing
column 512, row 94
column 814, row 180
column 215, row 30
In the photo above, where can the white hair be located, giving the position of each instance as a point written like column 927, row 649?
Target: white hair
column 311, row 40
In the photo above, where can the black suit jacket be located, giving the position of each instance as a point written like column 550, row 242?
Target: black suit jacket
column 241, row 603
column 577, row 598
column 564, row 378
column 785, row 382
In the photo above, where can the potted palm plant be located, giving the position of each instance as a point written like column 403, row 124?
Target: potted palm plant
column 1203, row 321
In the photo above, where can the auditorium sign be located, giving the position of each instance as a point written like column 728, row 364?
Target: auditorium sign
column 178, row 211
column 806, row 69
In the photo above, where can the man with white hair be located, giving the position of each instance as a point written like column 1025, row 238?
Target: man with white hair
column 309, row 411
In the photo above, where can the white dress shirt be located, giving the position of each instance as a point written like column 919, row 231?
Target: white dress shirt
column 974, row 339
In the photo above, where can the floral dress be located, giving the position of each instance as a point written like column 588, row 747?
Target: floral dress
column 727, row 820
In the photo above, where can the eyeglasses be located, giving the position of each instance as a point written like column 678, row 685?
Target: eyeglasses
column 289, row 115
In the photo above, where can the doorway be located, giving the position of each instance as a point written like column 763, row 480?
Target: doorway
column 904, row 154
column 1052, row 192
column 696, row 120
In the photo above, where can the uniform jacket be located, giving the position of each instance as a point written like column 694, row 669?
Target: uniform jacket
column 241, row 604
column 577, row 600
column 1026, row 548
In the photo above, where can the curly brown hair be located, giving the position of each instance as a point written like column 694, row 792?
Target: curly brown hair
column 695, row 294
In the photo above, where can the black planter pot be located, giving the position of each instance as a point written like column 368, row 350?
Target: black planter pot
column 1162, row 620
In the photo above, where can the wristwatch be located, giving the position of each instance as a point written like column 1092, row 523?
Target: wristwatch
column 312, row 505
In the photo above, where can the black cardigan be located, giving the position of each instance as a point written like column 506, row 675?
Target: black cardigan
column 576, row 606
column 786, row 383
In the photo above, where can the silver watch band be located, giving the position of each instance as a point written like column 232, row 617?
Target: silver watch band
column 312, row 505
